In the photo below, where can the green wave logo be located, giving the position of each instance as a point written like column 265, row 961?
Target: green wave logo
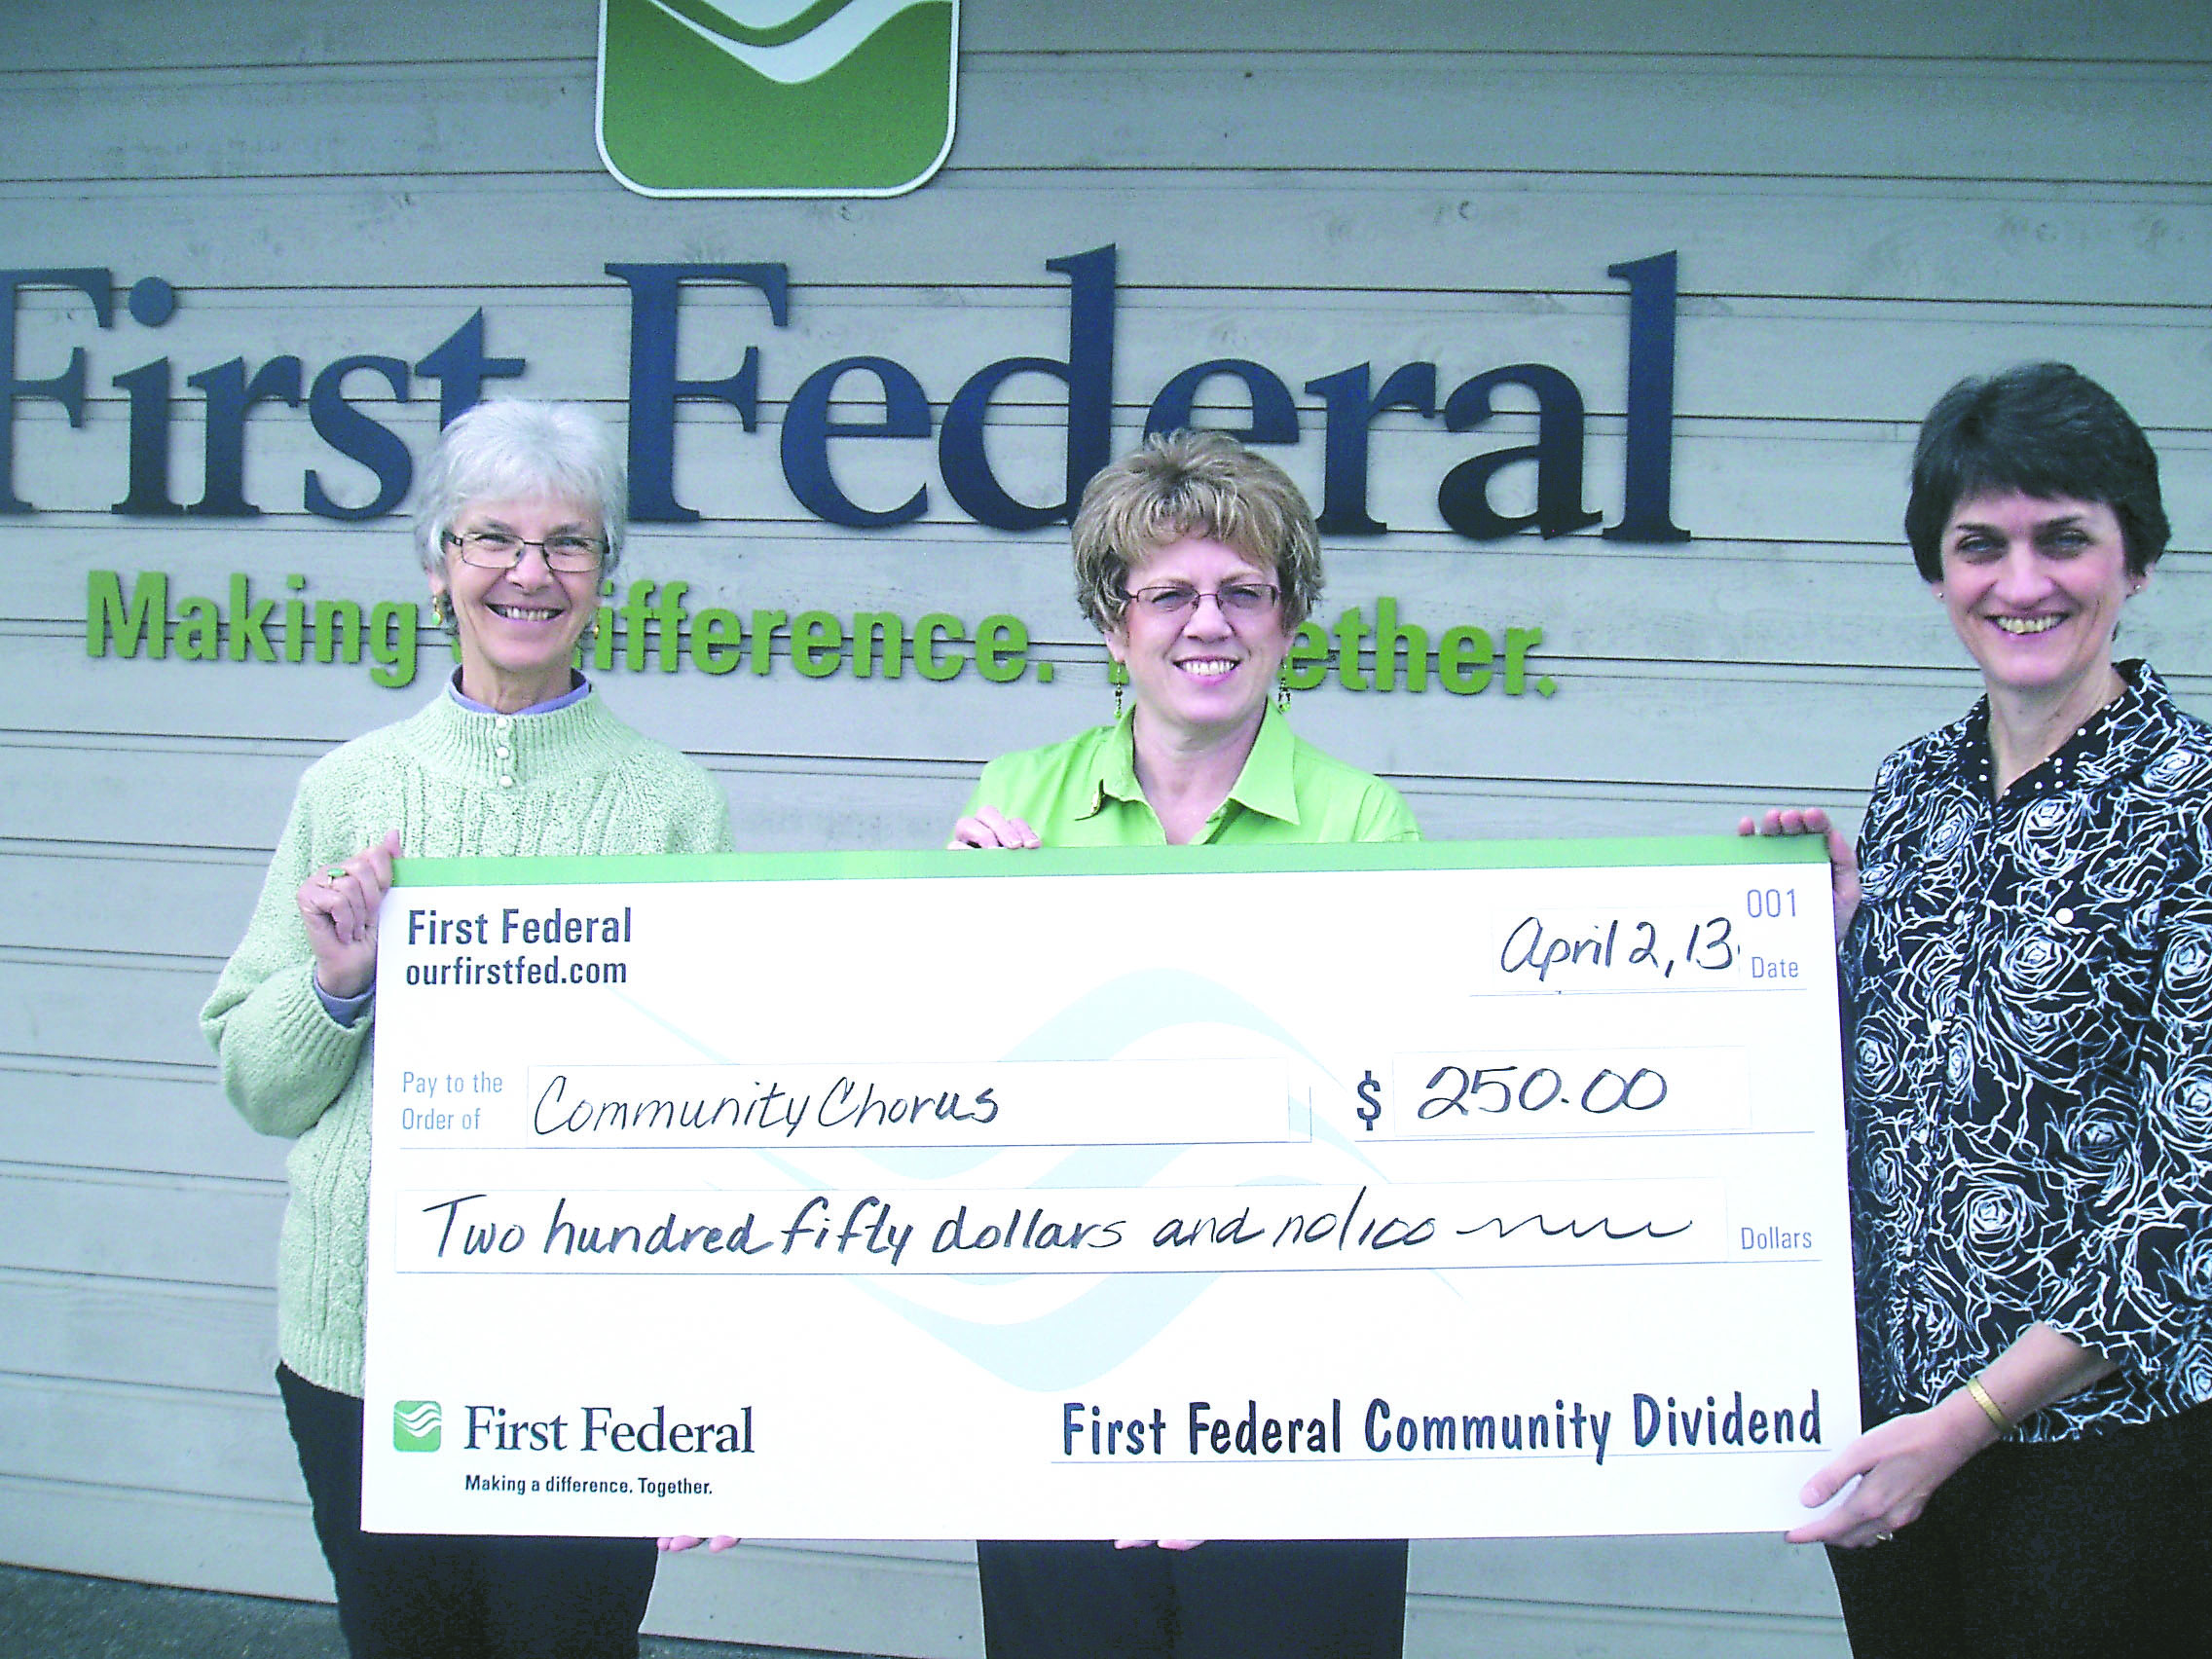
column 776, row 97
column 1101, row 1327
column 417, row 1426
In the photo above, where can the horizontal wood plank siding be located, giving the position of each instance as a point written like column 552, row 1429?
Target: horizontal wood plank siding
column 1866, row 202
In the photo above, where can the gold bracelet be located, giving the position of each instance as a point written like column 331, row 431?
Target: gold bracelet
column 1989, row 1407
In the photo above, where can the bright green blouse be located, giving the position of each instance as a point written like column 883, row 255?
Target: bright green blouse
column 1083, row 793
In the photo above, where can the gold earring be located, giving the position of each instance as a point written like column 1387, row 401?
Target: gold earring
column 1282, row 691
column 441, row 611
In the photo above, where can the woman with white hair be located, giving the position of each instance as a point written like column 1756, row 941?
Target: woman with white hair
column 521, row 517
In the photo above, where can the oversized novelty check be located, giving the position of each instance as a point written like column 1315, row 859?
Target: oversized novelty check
column 1448, row 1189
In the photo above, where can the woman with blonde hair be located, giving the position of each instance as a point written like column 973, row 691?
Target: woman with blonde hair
column 1196, row 559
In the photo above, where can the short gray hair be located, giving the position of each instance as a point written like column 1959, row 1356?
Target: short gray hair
column 513, row 449
column 1193, row 484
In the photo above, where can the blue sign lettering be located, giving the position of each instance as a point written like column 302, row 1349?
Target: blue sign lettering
column 233, row 391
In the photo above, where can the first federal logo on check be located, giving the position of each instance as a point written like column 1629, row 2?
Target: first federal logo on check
column 417, row 1426
column 776, row 97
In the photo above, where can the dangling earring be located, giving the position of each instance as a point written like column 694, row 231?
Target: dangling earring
column 1283, row 690
column 1116, row 702
column 441, row 610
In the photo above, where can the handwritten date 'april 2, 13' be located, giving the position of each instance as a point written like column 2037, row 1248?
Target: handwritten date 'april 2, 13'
column 1619, row 946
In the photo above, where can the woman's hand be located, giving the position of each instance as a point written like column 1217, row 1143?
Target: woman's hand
column 676, row 1543
column 339, row 905
column 1163, row 1543
column 992, row 828
column 1897, row 1466
column 1843, row 859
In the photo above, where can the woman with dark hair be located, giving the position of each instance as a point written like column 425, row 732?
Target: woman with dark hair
column 1196, row 559
column 2026, row 957
column 521, row 516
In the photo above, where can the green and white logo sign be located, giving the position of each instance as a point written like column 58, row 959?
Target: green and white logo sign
column 417, row 1426
column 776, row 97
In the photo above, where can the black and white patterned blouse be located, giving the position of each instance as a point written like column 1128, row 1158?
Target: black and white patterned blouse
column 2028, row 1043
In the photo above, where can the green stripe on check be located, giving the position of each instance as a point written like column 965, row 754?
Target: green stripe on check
column 1618, row 851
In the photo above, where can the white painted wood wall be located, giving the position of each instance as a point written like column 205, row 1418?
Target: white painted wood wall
column 1868, row 201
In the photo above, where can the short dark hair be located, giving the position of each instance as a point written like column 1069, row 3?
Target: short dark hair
column 2044, row 430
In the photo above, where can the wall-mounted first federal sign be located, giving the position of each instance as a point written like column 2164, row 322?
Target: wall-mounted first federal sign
column 776, row 97
column 1206, row 1192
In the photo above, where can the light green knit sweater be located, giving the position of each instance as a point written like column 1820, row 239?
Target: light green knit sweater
column 453, row 783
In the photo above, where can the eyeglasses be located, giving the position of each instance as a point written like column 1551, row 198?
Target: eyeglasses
column 496, row 550
column 1237, row 600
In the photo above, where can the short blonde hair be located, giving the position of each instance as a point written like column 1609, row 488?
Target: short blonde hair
column 1193, row 484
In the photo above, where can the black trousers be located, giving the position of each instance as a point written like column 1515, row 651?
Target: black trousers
column 2097, row 1546
column 1228, row 1600
column 407, row 1596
